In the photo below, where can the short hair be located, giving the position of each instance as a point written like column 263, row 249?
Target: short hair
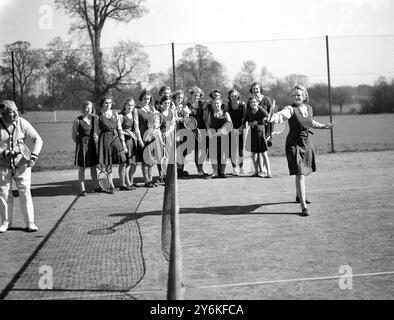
column 214, row 91
column 231, row 92
column 105, row 97
column 219, row 99
column 164, row 99
column 164, row 88
column 86, row 103
column 196, row 89
column 256, row 84
column 144, row 93
column 5, row 104
column 177, row 93
column 125, row 103
column 304, row 90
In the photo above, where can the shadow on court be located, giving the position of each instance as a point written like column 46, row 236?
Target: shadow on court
column 65, row 188
column 227, row 210
column 85, row 264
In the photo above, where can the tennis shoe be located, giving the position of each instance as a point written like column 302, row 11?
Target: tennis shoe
column 304, row 212
column 235, row 172
column 242, row 171
column 4, row 227
column 32, row 227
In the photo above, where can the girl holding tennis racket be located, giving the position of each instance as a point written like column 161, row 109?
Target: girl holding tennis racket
column 256, row 141
column 111, row 142
column 85, row 146
column 299, row 149
column 146, row 148
column 264, row 102
column 236, row 110
column 181, row 111
column 218, row 121
column 129, row 120
column 196, row 107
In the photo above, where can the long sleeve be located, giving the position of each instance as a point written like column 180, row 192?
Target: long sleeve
column 30, row 132
column 119, row 129
column 137, row 125
column 285, row 114
column 74, row 130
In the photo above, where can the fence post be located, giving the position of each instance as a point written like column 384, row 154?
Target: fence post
column 13, row 75
column 329, row 93
column 173, row 67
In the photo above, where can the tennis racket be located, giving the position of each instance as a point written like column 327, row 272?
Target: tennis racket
column 277, row 128
column 164, row 160
column 23, row 150
column 103, row 177
column 226, row 128
column 154, row 124
column 191, row 124
column 272, row 111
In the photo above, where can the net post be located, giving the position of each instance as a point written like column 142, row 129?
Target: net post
column 329, row 93
column 173, row 66
column 175, row 288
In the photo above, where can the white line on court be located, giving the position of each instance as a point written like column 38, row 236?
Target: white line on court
column 241, row 284
column 354, row 187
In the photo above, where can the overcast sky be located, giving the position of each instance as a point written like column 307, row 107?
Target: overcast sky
column 212, row 21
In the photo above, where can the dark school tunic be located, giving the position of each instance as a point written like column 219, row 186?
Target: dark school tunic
column 216, row 124
column 258, row 142
column 155, row 152
column 110, row 150
column 237, row 116
column 85, row 149
column 300, row 153
column 198, row 114
column 131, row 142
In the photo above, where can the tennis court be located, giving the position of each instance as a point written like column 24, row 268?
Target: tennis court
column 241, row 237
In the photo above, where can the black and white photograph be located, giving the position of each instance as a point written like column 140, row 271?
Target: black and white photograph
column 217, row 152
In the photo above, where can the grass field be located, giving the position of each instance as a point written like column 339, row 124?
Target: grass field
column 351, row 133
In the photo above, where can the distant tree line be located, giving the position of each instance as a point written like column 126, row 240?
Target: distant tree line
column 61, row 78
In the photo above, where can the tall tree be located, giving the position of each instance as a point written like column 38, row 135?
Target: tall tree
column 198, row 66
column 27, row 67
column 91, row 16
column 247, row 75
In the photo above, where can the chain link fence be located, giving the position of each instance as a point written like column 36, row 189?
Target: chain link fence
column 51, row 84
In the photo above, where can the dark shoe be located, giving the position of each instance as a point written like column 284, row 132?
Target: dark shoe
column 149, row 184
column 83, row 194
column 99, row 190
column 255, row 175
column 304, row 212
column 306, row 201
column 124, row 188
column 185, row 173
column 132, row 187
column 222, row 176
column 207, row 176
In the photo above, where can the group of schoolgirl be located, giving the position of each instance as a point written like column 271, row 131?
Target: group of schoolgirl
column 125, row 138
